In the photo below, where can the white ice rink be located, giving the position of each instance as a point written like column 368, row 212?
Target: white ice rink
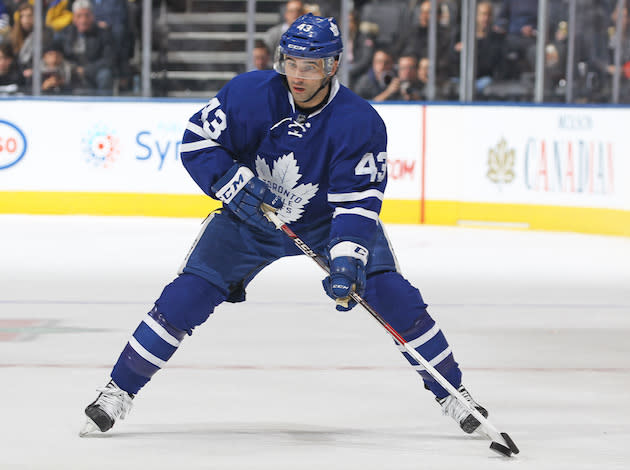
column 540, row 323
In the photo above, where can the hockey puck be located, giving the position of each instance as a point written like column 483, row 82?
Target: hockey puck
column 500, row 449
column 510, row 443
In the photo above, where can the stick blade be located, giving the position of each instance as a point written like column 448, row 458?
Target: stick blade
column 510, row 443
column 500, row 449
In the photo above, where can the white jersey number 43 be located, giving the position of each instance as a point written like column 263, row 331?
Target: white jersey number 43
column 376, row 168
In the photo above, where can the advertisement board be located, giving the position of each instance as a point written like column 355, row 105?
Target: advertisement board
column 529, row 155
column 558, row 168
column 96, row 146
column 404, row 150
column 134, row 147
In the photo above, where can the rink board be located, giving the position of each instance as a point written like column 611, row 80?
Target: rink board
column 553, row 168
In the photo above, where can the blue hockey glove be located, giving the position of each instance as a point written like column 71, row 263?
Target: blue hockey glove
column 347, row 261
column 243, row 193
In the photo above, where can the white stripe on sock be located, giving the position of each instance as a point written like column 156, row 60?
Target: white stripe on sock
column 420, row 340
column 425, row 337
column 156, row 361
column 161, row 331
column 437, row 359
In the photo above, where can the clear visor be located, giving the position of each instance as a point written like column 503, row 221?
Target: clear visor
column 308, row 69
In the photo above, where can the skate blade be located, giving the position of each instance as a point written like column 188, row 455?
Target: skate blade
column 483, row 433
column 88, row 428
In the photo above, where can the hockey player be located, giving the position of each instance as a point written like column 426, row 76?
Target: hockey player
column 297, row 141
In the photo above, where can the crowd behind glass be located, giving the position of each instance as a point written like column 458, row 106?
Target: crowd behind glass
column 90, row 47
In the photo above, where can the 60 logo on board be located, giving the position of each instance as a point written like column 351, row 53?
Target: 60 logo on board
column 12, row 144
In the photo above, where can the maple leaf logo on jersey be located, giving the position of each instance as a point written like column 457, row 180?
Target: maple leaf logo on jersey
column 283, row 181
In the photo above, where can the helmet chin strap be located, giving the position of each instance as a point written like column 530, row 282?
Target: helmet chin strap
column 321, row 87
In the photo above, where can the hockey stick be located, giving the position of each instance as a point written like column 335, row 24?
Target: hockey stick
column 490, row 431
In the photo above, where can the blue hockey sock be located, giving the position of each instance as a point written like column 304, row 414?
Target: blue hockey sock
column 402, row 306
column 151, row 345
column 184, row 304
column 429, row 341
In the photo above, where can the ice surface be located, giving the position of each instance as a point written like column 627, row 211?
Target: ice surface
column 539, row 322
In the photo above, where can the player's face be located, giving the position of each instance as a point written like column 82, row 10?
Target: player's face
column 305, row 77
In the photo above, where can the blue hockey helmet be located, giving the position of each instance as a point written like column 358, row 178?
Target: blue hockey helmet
column 310, row 37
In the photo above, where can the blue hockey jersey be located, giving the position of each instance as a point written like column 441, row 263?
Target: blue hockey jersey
column 327, row 166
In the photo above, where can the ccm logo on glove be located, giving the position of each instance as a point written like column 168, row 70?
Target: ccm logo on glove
column 238, row 181
column 243, row 194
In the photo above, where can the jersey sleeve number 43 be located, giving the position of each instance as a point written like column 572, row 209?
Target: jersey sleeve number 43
column 376, row 168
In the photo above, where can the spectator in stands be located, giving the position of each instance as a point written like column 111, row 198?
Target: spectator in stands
column 488, row 49
column 10, row 77
column 556, row 63
column 443, row 89
column 261, row 56
column 89, row 49
column 325, row 7
column 598, row 33
column 134, row 11
column 292, row 11
column 58, row 16
column 56, row 71
column 5, row 23
column 612, row 33
column 517, row 20
column 380, row 82
column 591, row 48
column 359, row 49
column 22, row 39
column 423, row 71
column 313, row 8
column 410, row 89
column 416, row 41
column 610, row 67
column 448, row 13
column 113, row 16
column 57, row 13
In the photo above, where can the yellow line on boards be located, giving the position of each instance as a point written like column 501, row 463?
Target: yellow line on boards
column 88, row 203
column 537, row 217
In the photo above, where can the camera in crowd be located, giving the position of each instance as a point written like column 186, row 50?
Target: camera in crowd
column 388, row 77
column 51, row 72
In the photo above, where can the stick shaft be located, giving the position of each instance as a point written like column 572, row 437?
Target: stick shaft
column 493, row 432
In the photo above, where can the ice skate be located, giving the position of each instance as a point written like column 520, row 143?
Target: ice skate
column 111, row 404
column 461, row 415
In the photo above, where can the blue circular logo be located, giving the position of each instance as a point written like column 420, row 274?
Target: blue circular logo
column 12, row 144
